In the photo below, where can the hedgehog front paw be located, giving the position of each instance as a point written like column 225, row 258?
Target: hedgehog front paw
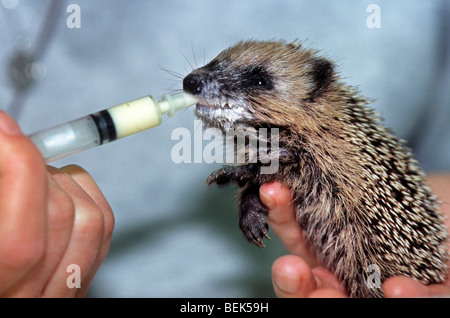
column 241, row 175
column 251, row 211
column 254, row 228
column 221, row 176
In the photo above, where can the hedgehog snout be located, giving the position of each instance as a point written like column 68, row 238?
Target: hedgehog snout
column 193, row 84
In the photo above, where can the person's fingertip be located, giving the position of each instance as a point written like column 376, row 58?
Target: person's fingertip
column 400, row 287
column 274, row 194
column 292, row 277
column 8, row 126
column 286, row 285
column 268, row 192
column 284, row 280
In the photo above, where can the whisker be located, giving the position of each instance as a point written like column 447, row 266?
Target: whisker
column 172, row 91
column 193, row 55
column 204, row 56
column 187, row 60
column 177, row 75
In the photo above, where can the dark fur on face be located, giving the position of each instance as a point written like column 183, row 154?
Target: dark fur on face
column 360, row 197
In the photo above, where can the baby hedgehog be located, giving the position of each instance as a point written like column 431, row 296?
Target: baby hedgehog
column 360, row 198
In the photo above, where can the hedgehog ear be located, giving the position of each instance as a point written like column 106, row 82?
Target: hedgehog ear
column 321, row 74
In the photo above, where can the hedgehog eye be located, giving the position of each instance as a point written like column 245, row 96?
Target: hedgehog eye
column 260, row 81
column 257, row 78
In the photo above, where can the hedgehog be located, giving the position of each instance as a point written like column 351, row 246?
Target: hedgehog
column 360, row 197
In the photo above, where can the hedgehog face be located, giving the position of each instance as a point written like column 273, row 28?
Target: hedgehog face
column 237, row 87
column 227, row 92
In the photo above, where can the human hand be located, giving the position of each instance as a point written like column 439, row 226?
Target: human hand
column 49, row 218
column 299, row 274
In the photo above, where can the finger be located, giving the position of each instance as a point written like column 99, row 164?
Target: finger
column 85, row 241
column 327, row 293
column 60, row 218
column 292, row 277
column 282, row 220
column 405, row 287
column 61, row 214
column 86, row 182
column 400, row 287
column 327, row 280
column 23, row 194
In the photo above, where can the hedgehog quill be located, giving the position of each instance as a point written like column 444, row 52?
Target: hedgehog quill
column 360, row 197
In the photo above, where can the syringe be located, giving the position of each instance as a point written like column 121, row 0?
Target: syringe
column 107, row 125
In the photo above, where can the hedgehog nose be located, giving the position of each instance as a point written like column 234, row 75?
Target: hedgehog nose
column 193, row 84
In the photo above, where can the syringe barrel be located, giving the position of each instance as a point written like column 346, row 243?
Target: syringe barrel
column 67, row 139
column 107, row 125
column 98, row 128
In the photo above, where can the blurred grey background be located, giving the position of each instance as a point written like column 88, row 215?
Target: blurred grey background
column 175, row 237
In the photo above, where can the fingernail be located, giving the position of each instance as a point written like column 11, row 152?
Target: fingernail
column 8, row 126
column 288, row 284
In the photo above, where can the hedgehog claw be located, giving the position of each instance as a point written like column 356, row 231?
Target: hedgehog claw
column 221, row 177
